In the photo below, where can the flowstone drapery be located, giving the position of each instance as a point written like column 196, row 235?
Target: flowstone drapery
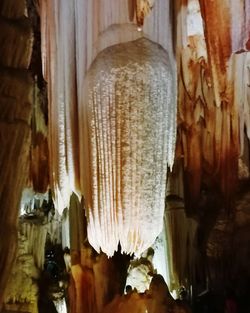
column 72, row 35
column 128, row 134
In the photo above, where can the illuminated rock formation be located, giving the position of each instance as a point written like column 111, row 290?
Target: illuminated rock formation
column 135, row 180
column 127, row 140
column 109, row 125
column 208, row 107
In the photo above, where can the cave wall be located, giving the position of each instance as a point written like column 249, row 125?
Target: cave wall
column 23, row 137
column 16, row 87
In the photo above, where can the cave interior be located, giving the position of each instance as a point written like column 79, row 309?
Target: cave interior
column 125, row 174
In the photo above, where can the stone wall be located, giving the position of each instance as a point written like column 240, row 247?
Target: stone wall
column 16, row 86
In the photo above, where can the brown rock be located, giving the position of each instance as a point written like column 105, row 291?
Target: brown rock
column 13, row 8
column 15, row 95
column 16, row 42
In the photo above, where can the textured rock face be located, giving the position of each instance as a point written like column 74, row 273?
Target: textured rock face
column 23, row 290
column 16, row 36
column 128, row 130
column 15, row 141
column 22, row 286
column 13, row 9
column 15, row 117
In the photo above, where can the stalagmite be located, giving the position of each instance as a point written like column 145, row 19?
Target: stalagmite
column 127, row 141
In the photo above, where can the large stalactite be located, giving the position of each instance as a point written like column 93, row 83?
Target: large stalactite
column 127, row 140
column 66, row 58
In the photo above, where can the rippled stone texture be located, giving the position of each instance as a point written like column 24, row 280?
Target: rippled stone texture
column 129, row 140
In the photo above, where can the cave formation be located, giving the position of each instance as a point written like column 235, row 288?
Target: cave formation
column 124, row 129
